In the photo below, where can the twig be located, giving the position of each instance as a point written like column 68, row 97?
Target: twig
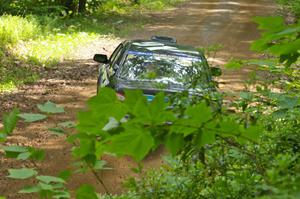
column 100, row 181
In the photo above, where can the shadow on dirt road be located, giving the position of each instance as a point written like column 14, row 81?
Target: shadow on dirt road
column 70, row 84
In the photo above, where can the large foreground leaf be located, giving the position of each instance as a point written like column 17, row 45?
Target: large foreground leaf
column 135, row 142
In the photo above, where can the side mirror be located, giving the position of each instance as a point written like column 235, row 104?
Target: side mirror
column 100, row 58
column 215, row 71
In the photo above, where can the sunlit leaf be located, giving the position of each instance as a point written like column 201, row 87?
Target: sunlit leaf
column 32, row 117
column 50, row 107
column 24, row 156
column 30, row 189
column 61, row 194
column 23, row 173
column 100, row 165
column 57, row 131
column 14, row 151
column 49, row 179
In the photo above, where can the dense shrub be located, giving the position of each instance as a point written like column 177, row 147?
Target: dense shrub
column 293, row 5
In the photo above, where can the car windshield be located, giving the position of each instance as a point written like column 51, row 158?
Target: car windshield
column 164, row 68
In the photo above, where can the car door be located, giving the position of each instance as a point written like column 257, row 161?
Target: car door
column 107, row 71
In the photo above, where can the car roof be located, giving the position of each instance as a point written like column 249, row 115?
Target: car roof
column 161, row 47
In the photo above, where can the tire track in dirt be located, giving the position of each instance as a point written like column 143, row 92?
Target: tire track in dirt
column 70, row 84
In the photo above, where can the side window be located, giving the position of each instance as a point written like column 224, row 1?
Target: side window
column 115, row 54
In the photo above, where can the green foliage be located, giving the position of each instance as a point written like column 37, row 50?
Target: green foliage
column 140, row 126
column 15, row 28
column 86, row 191
column 23, row 173
column 23, row 153
column 293, row 5
column 48, row 187
column 278, row 39
column 50, row 107
column 32, row 117
column 9, row 122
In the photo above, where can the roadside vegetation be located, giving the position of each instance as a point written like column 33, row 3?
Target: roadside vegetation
column 292, row 5
column 41, row 33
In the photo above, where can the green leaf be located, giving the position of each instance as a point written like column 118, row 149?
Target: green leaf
column 49, row 179
column 135, row 142
column 91, row 122
column 3, row 137
column 288, row 102
column 23, row 173
column 174, row 143
column 234, row 64
column 132, row 97
column 23, row 156
column 65, row 174
column 45, row 186
column 85, row 148
column 57, row 131
column 180, row 126
column 205, row 137
column 37, row 154
column 50, row 107
column 61, row 194
column 31, row 117
column 100, row 165
column 23, row 153
column 10, row 121
column 253, row 133
column 199, row 113
column 15, row 148
column 86, row 192
column 14, row 151
column 228, row 126
column 30, row 189
column 270, row 24
column 107, row 104
column 246, row 95
column 67, row 124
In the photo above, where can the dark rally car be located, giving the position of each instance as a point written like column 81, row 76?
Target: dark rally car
column 155, row 65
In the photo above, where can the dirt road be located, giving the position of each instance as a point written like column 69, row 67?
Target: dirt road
column 70, row 84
